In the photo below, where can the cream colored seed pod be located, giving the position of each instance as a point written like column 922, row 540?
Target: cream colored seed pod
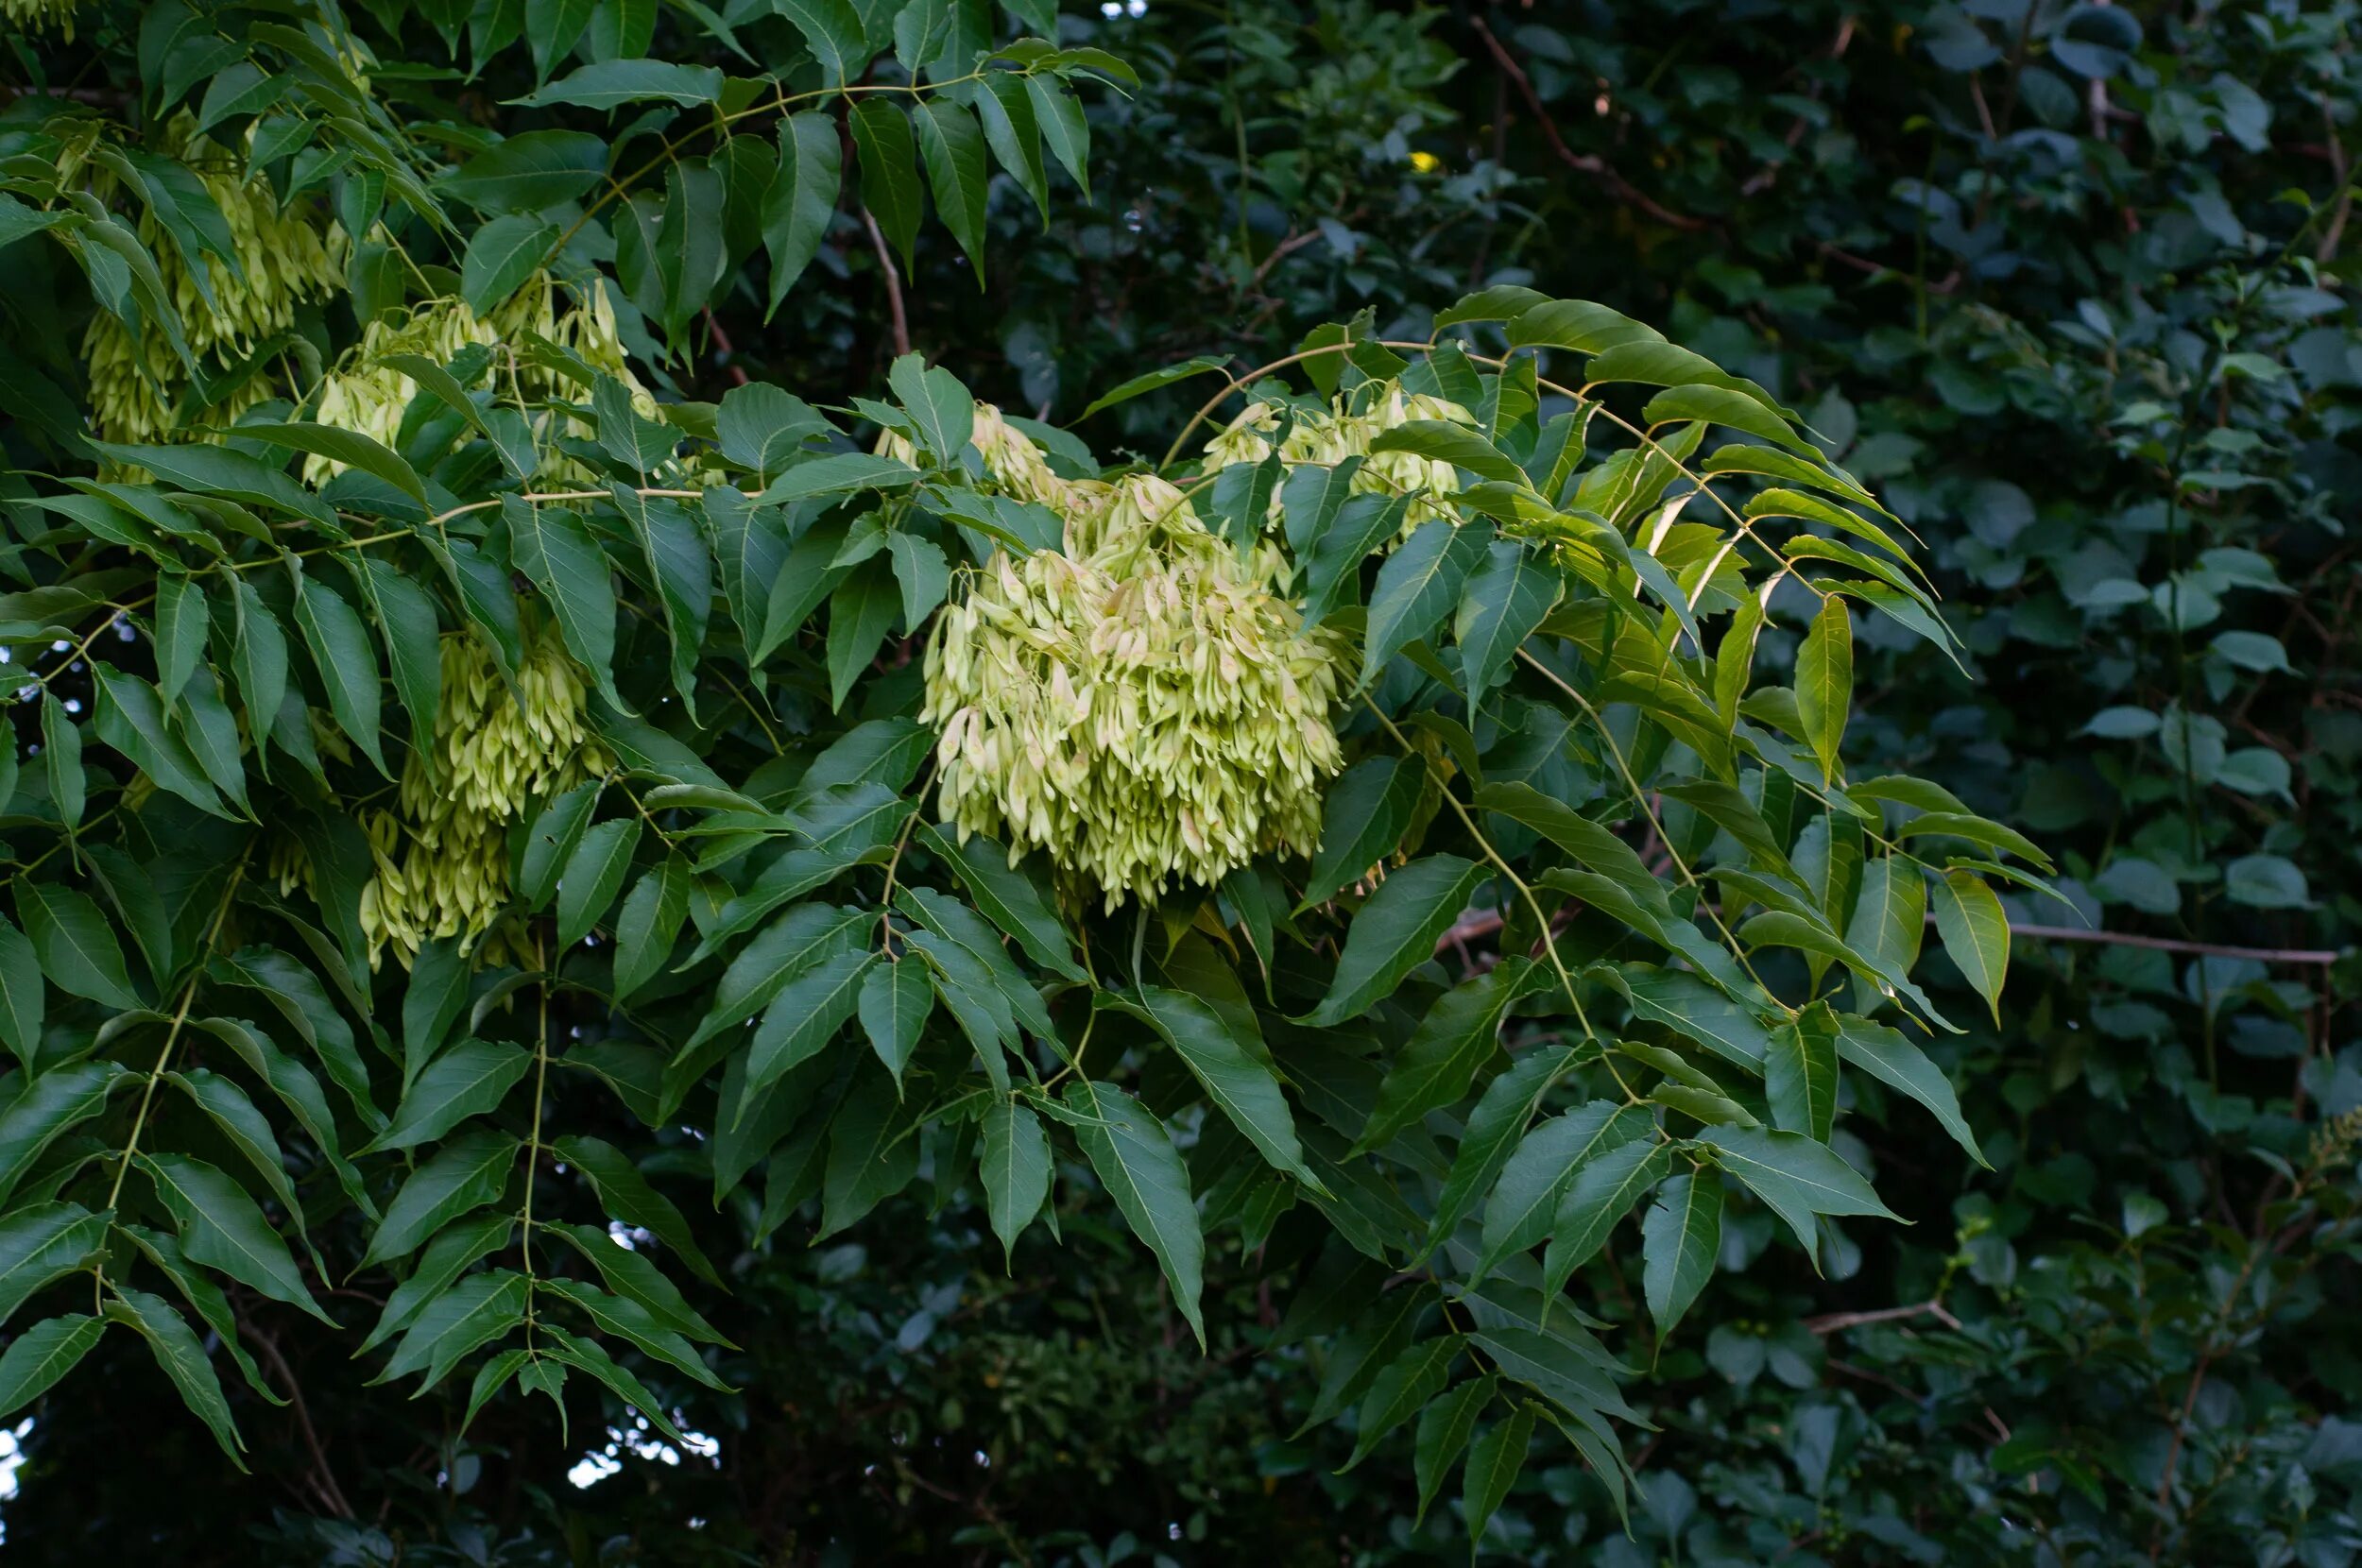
column 442, row 859
column 1144, row 708
column 1331, row 438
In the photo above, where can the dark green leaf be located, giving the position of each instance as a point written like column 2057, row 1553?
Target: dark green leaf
column 1015, row 1170
column 469, row 1079
column 1681, row 1238
column 222, row 1228
column 1142, row 1172
column 44, row 1353
column 1394, row 932
column 465, row 1174
column 182, row 1358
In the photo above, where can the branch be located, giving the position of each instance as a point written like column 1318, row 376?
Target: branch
column 893, row 284
column 1590, row 163
column 2328, row 247
column 1837, row 1322
column 2173, row 945
column 325, row 1478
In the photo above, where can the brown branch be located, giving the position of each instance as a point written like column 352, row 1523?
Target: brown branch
column 324, row 1479
column 2328, row 247
column 2172, row 945
column 1295, row 241
column 1863, row 264
column 1590, row 163
column 1837, row 1322
column 722, row 342
column 893, row 284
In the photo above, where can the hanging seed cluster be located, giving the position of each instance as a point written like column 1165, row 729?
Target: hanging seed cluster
column 367, row 395
column 1330, row 437
column 1017, row 466
column 286, row 255
column 41, row 15
column 442, row 857
column 1143, row 707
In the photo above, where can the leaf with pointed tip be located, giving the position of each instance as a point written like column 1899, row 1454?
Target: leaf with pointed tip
column 465, row 1174
column 1525, row 1199
column 1505, row 599
column 1245, row 1089
column 1825, row 682
column 245, row 1127
column 806, row 1015
column 1892, row 1060
column 895, row 999
column 41, row 1242
column 46, row 1107
column 469, row 1079
column 649, row 925
column 1394, row 932
column 1143, row 1173
column 223, row 1228
column 586, row 1355
column 347, row 662
column 1015, row 1170
column 1418, row 587
column 465, row 1317
column 182, row 1358
column 1494, row 1128
column 1459, row 1033
column 594, row 873
column 1441, row 1436
column 1009, row 897
column 889, row 168
column 130, row 717
column 629, row 1274
column 21, row 1004
column 574, row 578
column 180, row 625
column 1680, row 1236
column 1407, row 1382
column 36, row 1358
column 1976, row 932
column 1362, row 820
column 629, row 1197
column 802, row 198
column 1493, row 1462
column 1795, row 1177
column 1800, row 1073
column 626, row 1319
column 953, row 146
column 1603, row 1192
column 448, row 1256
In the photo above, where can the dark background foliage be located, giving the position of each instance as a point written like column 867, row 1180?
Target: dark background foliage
column 2068, row 284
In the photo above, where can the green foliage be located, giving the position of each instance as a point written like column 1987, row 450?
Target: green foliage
column 1608, row 967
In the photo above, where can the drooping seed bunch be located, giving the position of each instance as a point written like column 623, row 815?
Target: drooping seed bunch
column 1341, row 432
column 40, row 15
column 442, row 856
column 365, row 394
column 1016, row 467
column 286, row 253
column 1143, row 707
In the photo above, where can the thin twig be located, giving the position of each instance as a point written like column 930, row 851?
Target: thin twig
column 325, row 1477
column 893, row 284
column 2328, row 247
column 1585, row 162
column 2173, row 945
column 1837, row 1322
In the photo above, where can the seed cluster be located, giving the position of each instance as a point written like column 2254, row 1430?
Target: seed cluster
column 1144, row 706
column 442, row 857
column 365, row 394
column 286, row 255
column 1331, row 436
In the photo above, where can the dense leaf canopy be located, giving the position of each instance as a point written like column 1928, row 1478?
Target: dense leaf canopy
column 854, row 780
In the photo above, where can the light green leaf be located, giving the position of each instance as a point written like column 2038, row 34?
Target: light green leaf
column 1825, row 683
column 1976, row 932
